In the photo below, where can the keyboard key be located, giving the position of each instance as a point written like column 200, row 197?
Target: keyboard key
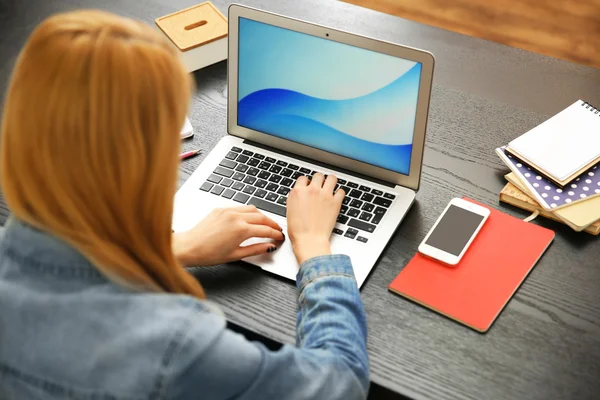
column 261, row 184
column 282, row 163
column 226, row 182
column 338, row 231
column 342, row 219
column 231, row 155
column 206, row 186
column 365, row 216
column 356, row 203
column 264, row 175
column 272, row 197
column 362, row 239
column 355, row 193
column 249, row 189
column 367, row 197
column 247, row 152
column 275, row 169
column 237, row 186
column 236, row 149
column 351, row 233
column 275, row 178
column 346, row 189
column 242, row 168
column 272, row 187
column 259, row 156
column 270, row 159
column 228, row 193
column 342, row 181
column 287, row 182
column 368, row 207
column 223, row 172
column 389, row 196
column 266, row 206
column 297, row 175
column 253, row 171
column 238, row 176
column 305, row 170
column 264, row 165
column 253, row 162
column 228, row 163
column 361, row 225
column 293, row 167
column 282, row 200
column 346, row 200
column 365, row 188
column 352, row 185
column 379, row 213
column 380, row 201
column 377, row 192
column 260, row 193
column 344, row 209
column 214, row 178
column 353, row 212
column 287, row 172
column 242, row 158
column 217, row 190
column 250, row 180
column 283, row 190
column 241, row 197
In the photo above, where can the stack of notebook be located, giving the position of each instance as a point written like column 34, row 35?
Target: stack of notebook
column 556, row 168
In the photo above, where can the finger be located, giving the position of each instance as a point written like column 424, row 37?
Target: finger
column 330, row 183
column 302, row 181
column 339, row 196
column 263, row 231
column 259, row 218
column 244, row 209
column 253, row 250
column 317, row 180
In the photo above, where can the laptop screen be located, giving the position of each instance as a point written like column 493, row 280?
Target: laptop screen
column 335, row 97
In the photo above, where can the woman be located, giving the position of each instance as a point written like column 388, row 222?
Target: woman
column 94, row 302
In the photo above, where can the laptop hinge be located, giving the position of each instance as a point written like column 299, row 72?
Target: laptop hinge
column 320, row 163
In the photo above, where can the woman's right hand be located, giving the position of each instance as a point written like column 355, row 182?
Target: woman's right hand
column 312, row 210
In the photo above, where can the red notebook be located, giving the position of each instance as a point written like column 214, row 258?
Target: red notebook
column 477, row 289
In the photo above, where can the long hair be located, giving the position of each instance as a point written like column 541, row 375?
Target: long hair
column 90, row 143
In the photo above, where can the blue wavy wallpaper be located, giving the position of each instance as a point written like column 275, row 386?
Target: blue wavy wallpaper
column 327, row 95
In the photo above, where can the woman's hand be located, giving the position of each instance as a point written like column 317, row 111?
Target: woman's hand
column 312, row 209
column 217, row 238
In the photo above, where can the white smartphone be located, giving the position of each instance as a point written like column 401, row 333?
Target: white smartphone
column 454, row 231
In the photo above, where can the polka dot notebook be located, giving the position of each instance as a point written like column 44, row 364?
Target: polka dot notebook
column 548, row 194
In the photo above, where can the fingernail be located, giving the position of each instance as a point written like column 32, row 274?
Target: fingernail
column 271, row 249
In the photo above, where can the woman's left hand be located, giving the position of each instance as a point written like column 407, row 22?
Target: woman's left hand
column 217, row 238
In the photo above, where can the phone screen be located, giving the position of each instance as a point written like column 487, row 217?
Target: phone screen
column 454, row 230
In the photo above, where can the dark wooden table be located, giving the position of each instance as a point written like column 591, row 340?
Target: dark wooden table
column 546, row 343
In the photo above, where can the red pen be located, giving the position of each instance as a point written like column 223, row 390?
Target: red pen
column 188, row 154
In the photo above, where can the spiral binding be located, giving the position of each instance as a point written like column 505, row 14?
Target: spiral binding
column 590, row 107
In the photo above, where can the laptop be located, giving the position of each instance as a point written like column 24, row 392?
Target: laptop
column 304, row 98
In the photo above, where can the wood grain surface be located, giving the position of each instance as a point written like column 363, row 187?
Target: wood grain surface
column 559, row 28
column 546, row 343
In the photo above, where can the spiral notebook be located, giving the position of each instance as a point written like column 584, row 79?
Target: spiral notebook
column 564, row 146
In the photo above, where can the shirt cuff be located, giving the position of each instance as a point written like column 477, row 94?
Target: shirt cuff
column 329, row 265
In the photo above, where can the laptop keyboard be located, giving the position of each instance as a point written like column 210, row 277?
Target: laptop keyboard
column 255, row 179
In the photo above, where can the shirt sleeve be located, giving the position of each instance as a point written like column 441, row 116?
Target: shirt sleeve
column 329, row 361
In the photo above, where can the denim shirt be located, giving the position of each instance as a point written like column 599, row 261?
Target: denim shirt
column 67, row 332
